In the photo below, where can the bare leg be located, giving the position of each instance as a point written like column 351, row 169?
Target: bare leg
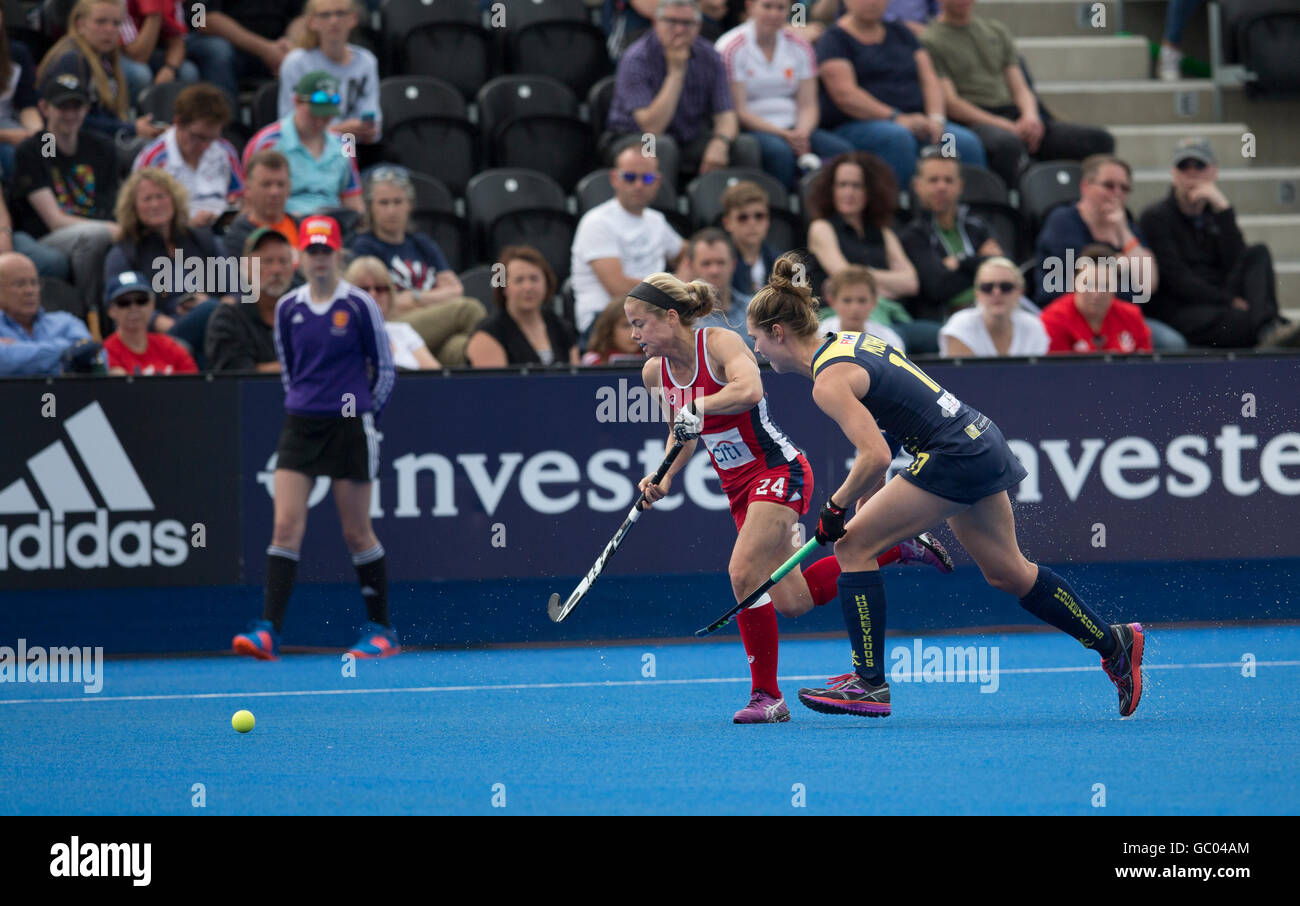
column 291, row 492
column 352, row 498
column 988, row 532
column 762, row 546
column 898, row 511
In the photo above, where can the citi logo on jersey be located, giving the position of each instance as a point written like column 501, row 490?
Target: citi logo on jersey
column 50, row 541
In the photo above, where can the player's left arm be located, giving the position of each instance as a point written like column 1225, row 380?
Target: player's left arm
column 744, row 386
column 375, row 346
column 838, row 392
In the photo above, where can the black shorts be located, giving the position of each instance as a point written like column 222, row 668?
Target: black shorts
column 970, row 469
column 333, row 447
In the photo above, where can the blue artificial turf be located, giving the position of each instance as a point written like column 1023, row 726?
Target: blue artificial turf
column 441, row 729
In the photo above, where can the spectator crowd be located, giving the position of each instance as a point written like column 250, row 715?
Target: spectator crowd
column 158, row 158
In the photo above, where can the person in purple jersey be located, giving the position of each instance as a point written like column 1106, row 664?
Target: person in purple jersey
column 337, row 369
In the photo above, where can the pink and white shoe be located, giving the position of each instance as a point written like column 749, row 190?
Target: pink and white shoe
column 926, row 549
column 762, row 709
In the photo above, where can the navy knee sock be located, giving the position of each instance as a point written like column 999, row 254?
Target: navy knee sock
column 862, row 601
column 1053, row 601
column 281, row 570
column 372, row 573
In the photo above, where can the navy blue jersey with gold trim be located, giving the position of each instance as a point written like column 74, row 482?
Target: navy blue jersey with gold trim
column 906, row 402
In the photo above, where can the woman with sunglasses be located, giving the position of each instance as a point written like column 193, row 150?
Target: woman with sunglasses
column 427, row 293
column 997, row 325
column 961, row 472
column 410, row 353
column 337, row 370
column 713, row 392
column 132, row 348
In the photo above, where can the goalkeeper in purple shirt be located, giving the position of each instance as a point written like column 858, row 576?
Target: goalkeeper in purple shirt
column 337, row 369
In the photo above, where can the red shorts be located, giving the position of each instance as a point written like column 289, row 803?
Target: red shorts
column 790, row 484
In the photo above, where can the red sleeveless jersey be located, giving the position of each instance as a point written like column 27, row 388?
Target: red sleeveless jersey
column 742, row 445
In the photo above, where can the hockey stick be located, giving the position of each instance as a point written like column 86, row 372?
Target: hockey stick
column 554, row 610
column 758, row 592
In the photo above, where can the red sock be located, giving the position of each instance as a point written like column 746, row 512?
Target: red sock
column 758, row 632
column 822, row 579
column 892, row 555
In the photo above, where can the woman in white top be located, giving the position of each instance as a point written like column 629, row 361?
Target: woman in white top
column 370, row 275
column 997, row 325
column 324, row 47
column 773, row 78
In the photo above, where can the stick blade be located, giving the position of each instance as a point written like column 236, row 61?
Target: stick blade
column 553, row 608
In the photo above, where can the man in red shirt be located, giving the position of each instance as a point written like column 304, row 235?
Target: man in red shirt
column 1092, row 318
column 132, row 349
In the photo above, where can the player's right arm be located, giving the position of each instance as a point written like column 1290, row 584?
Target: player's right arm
column 653, row 492
column 838, row 391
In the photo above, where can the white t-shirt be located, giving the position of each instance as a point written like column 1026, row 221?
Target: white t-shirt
column 643, row 244
column 218, row 175
column 403, row 340
column 358, row 82
column 832, row 325
column 770, row 87
column 1028, row 337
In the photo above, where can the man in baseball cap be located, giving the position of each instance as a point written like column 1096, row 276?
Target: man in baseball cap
column 321, row 91
column 1214, row 290
column 322, row 170
column 64, row 82
column 319, row 233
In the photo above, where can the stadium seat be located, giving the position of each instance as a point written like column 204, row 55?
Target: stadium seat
column 266, row 105
column 598, row 101
column 493, row 193
column 59, row 295
column 477, row 282
column 545, row 229
column 520, row 13
column 982, row 185
column 1045, row 185
column 594, row 189
column 559, row 146
column 785, row 230
column 705, row 193
column 445, row 40
column 431, row 194
column 449, row 230
column 426, row 128
column 572, row 52
column 404, row 96
column 510, row 96
column 157, row 101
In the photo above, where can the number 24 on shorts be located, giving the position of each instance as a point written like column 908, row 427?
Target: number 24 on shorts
column 777, row 488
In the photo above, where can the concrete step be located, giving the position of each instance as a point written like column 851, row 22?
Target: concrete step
column 1086, row 58
column 1060, row 18
column 1280, row 232
column 1288, row 288
column 1261, row 190
column 1130, row 101
column 1148, row 147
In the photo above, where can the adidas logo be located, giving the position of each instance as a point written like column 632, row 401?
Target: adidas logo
column 50, row 542
column 297, row 318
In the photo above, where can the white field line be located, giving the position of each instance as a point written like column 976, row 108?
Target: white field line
column 518, row 687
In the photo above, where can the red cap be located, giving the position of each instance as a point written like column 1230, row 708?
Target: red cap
column 319, row 231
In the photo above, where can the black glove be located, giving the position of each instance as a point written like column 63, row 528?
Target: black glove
column 830, row 524
column 82, row 357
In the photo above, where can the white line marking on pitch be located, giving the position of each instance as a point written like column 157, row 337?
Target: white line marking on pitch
column 508, row 687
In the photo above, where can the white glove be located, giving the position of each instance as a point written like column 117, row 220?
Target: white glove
column 688, row 424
